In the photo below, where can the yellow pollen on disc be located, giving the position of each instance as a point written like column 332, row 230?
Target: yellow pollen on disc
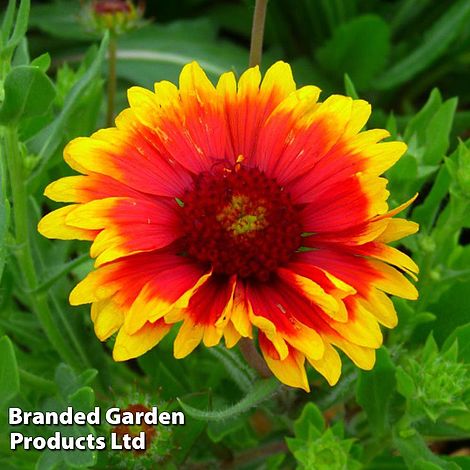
column 241, row 216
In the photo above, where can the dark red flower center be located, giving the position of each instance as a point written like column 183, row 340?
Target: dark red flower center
column 241, row 222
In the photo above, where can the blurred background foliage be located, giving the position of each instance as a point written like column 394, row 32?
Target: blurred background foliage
column 410, row 59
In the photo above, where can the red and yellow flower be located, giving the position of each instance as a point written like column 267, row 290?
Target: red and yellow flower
column 246, row 209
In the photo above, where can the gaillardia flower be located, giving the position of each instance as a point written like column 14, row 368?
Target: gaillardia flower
column 245, row 209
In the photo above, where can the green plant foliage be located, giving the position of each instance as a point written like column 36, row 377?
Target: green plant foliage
column 359, row 48
column 28, row 93
column 375, row 390
column 9, row 376
column 436, row 41
column 410, row 60
column 316, row 447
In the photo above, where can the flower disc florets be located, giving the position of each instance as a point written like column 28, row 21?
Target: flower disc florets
column 241, row 222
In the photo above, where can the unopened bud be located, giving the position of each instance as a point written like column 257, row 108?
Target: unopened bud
column 117, row 16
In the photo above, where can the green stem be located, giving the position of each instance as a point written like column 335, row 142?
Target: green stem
column 112, row 47
column 23, row 247
column 257, row 32
column 20, row 205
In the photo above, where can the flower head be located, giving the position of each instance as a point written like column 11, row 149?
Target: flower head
column 116, row 15
column 245, row 209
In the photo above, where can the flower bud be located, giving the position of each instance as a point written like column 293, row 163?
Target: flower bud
column 117, row 16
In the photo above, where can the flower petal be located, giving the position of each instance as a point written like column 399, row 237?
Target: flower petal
column 128, row 225
column 53, row 225
column 329, row 365
column 107, row 317
column 290, row 370
column 129, row 346
column 167, row 290
column 291, row 318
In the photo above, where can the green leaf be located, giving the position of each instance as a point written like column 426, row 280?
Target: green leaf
column 9, row 376
column 451, row 311
column 404, row 171
column 87, row 376
column 83, row 399
column 349, row 87
column 462, row 335
column 426, row 213
column 311, row 416
column 43, row 62
column 56, row 130
column 430, row 350
column 324, row 452
column 66, row 379
column 69, row 383
column 184, row 437
column 62, row 271
column 405, row 384
column 158, row 52
column 49, row 460
column 358, row 48
column 4, row 216
column 419, row 122
column 261, row 390
column 8, row 21
column 274, row 462
column 217, row 430
column 452, row 353
column 422, row 464
column 437, row 132
column 435, row 42
column 413, row 448
column 28, row 93
column 406, row 11
column 461, row 185
column 374, row 391
column 79, row 458
column 386, row 462
column 21, row 24
column 21, row 55
column 392, row 126
column 59, row 19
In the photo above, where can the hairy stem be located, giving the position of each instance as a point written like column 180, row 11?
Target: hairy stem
column 253, row 357
column 257, row 32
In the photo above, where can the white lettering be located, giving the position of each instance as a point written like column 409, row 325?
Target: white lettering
column 15, row 439
column 177, row 417
column 93, row 417
column 138, row 442
column 14, row 416
column 164, row 418
column 80, row 418
column 113, row 416
column 115, row 445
